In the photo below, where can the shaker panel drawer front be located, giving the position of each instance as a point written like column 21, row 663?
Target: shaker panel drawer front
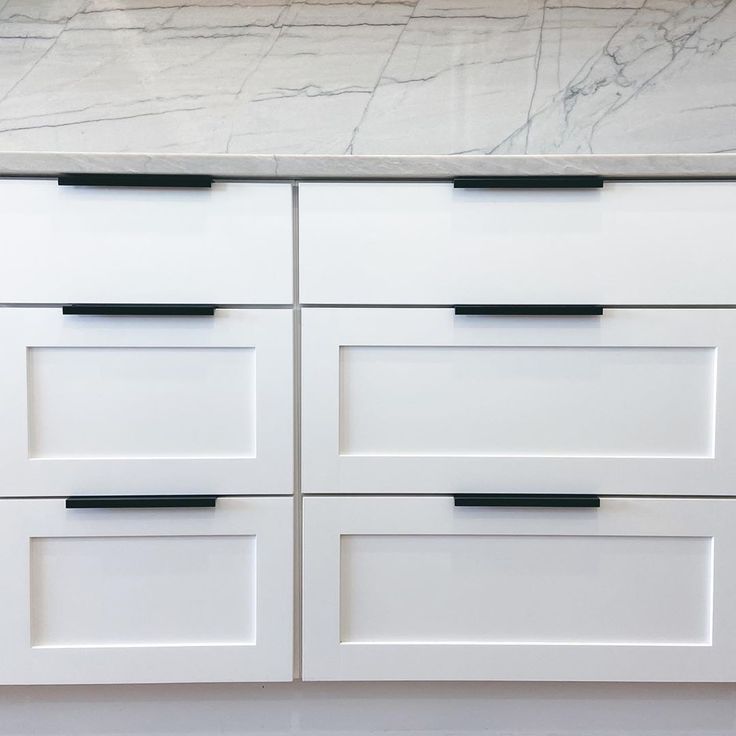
column 112, row 404
column 419, row 589
column 146, row 595
column 428, row 401
column 228, row 244
column 429, row 243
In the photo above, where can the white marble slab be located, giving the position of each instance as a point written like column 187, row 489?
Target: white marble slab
column 368, row 77
column 295, row 166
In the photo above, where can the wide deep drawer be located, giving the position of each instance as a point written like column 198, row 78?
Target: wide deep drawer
column 414, row 588
column 428, row 243
column 146, row 595
column 228, row 244
column 427, row 401
column 119, row 404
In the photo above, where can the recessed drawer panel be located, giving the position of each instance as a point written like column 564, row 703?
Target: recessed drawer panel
column 228, row 244
column 428, row 243
column 146, row 595
column 113, row 404
column 428, row 401
column 418, row 589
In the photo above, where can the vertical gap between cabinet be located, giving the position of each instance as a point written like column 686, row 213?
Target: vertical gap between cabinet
column 297, row 436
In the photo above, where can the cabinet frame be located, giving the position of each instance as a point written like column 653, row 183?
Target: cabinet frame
column 269, row 470
column 270, row 658
column 327, row 520
column 326, row 468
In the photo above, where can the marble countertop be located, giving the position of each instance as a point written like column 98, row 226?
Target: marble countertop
column 351, row 87
column 262, row 166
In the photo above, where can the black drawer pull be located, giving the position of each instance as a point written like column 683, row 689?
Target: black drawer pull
column 164, row 181
column 141, row 310
column 529, row 310
column 530, row 500
column 528, row 182
column 141, row 502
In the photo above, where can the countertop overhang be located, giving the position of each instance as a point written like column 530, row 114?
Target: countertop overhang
column 276, row 166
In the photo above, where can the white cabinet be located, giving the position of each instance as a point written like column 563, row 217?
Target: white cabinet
column 111, row 404
column 427, row 243
column 415, row 588
column 146, row 595
column 425, row 401
column 228, row 244
column 147, row 348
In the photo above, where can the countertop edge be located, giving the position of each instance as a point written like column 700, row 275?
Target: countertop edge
column 291, row 166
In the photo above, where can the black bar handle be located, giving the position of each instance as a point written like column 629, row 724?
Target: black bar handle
column 529, row 182
column 529, row 500
column 529, row 310
column 164, row 181
column 141, row 310
column 141, row 502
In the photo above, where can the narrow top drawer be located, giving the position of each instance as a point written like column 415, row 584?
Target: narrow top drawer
column 228, row 244
column 430, row 243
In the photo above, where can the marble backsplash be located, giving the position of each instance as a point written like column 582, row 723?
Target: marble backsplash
column 368, row 77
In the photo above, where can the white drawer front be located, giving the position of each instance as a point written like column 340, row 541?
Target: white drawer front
column 417, row 589
column 231, row 244
column 424, row 401
column 414, row 243
column 146, row 595
column 146, row 404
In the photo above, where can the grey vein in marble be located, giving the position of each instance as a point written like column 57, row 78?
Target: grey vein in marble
column 368, row 77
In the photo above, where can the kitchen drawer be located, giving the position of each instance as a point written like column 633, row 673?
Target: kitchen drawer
column 120, row 404
column 146, row 595
column 231, row 244
column 427, row 243
column 413, row 588
column 426, row 401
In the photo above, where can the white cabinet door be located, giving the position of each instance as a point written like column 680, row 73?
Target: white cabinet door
column 427, row 243
column 146, row 595
column 424, row 401
column 414, row 588
column 231, row 244
column 106, row 405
